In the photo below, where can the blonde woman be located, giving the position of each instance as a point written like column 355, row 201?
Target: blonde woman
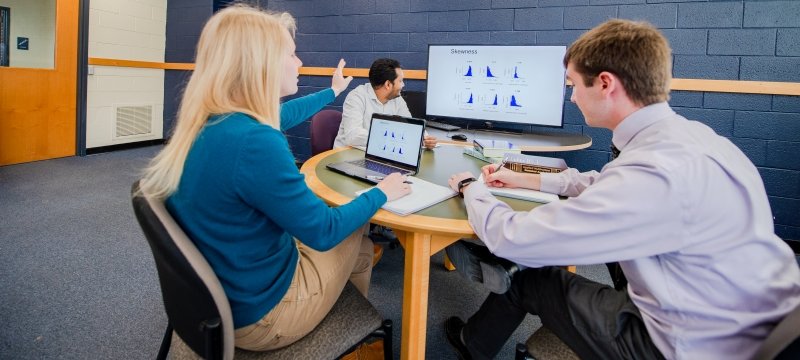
column 228, row 177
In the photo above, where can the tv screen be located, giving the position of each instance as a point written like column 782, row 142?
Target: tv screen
column 508, row 84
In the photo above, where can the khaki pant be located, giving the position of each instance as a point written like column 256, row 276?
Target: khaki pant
column 317, row 283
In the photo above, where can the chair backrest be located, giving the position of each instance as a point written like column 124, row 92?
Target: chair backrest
column 195, row 302
column 324, row 127
column 417, row 103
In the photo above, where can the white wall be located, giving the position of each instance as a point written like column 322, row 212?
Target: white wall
column 126, row 30
column 35, row 20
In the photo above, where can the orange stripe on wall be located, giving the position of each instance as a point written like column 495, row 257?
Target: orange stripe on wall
column 724, row 86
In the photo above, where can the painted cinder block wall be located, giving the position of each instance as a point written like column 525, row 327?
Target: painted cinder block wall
column 131, row 30
column 722, row 40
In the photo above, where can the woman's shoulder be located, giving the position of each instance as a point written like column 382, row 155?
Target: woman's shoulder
column 237, row 121
column 241, row 131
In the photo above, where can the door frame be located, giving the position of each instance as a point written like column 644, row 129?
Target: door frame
column 5, row 33
column 82, row 78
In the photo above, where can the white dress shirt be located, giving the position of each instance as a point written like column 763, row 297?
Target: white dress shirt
column 359, row 105
column 685, row 213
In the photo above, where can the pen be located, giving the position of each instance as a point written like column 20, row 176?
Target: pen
column 502, row 163
column 379, row 178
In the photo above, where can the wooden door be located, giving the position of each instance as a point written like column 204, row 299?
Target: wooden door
column 38, row 106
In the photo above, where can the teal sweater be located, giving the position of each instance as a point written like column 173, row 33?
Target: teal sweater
column 242, row 201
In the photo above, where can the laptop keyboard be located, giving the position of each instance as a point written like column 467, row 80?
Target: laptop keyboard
column 441, row 126
column 378, row 167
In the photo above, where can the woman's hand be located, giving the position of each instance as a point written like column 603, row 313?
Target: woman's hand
column 339, row 83
column 394, row 186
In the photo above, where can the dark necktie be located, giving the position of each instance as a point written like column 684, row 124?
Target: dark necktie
column 614, row 152
column 617, row 276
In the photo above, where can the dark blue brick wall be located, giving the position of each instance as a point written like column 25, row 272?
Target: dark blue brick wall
column 741, row 41
column 723, row 40
column 755, row 149
column 686, row 99
column 586, row 17
column 705, row 67
column 539, row 19
column 770, row 68
column 661, row 15
column 719, row 120
column 737, row 101
column 491, row 20
column 710, row 15
column 185, row 20
column 687, row 41
column 771, row 14
column 787, row 42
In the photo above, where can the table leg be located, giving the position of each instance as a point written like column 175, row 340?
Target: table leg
column 416, row 279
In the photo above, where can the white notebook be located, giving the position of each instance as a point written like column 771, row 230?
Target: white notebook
column 522, row 194
column 423, row 194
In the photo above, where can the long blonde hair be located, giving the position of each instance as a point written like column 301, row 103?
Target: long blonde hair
column 237, row 69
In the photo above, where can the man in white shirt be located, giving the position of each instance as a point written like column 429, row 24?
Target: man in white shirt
column 681, row 209
column 380, row 95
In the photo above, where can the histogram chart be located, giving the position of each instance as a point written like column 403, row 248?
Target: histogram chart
column 515, row 75
column 465, row 97
column 489, row 74
column 518, row 84
column 393, row 142
column 492, row 87
column 491, row 101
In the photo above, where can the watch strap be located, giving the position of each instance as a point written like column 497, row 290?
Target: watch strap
column 463, row 183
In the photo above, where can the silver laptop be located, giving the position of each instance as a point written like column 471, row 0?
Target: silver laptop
column 394, row 144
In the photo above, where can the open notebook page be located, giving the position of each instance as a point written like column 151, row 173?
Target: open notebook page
column 423, row 194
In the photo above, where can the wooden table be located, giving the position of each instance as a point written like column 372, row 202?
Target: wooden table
column 421, row 234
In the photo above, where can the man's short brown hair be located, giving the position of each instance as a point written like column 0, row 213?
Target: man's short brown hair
column 635, row 52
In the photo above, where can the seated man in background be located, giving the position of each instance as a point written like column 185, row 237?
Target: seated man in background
column 380, row 95
column 682, row 209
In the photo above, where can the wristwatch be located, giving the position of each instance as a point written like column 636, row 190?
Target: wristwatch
column 463, row 183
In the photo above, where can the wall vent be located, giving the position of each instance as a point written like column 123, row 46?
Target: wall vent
column 133, row 120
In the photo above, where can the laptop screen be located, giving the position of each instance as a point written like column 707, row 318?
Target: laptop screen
column 395, row 139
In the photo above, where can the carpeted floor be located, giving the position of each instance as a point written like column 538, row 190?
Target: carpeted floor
column 79, row 282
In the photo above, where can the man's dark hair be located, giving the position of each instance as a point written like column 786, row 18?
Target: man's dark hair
column 382, row 70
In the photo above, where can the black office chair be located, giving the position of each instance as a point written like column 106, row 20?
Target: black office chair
column 199, row 313
column 783, row 343
column 416, row 101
